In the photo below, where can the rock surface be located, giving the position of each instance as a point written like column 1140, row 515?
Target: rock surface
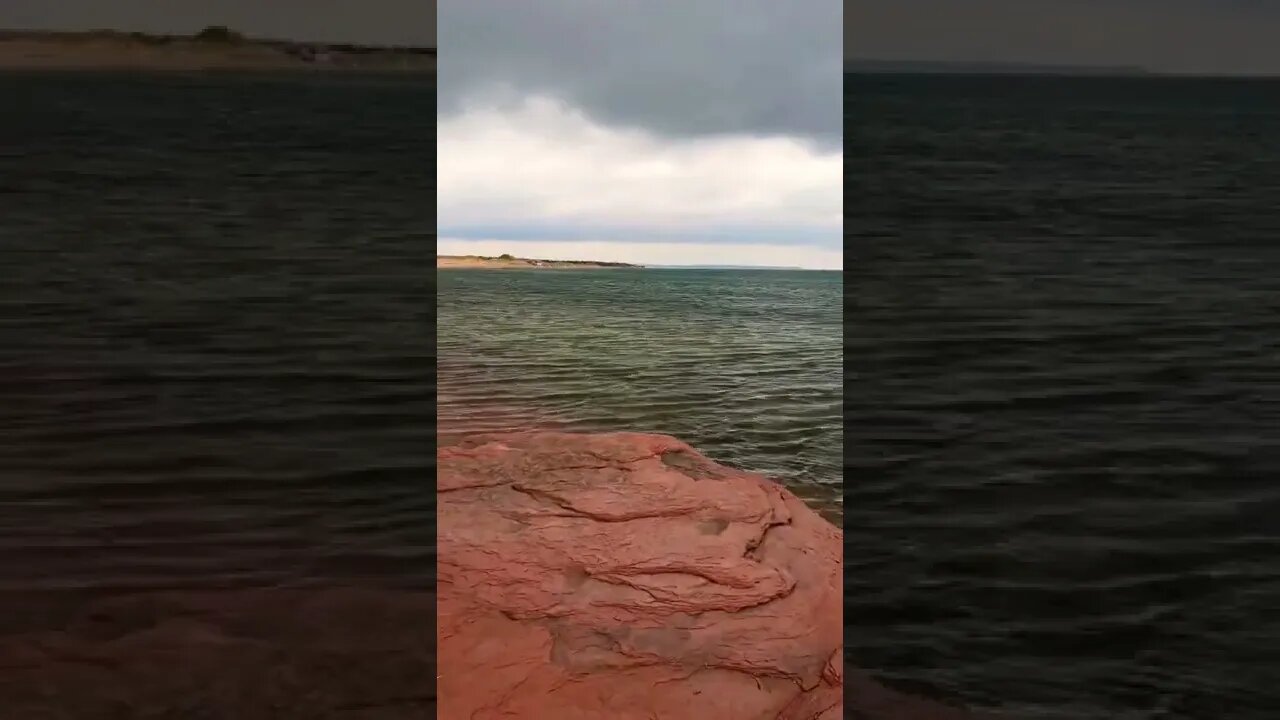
column 619, row 577
column 625, row 576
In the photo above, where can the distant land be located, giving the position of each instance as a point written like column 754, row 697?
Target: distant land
column 507, row 262
column 927, row 67
column 214, row 48
column 727, row 267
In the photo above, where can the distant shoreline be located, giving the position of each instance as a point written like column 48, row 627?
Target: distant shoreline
column 507, row 262
column 212, row 49
column 1027, row 70
column 927, row 67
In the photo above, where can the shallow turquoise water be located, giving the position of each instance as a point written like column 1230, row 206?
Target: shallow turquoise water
column 744, row 365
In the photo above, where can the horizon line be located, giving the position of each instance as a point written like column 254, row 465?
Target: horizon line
column 1026, row 67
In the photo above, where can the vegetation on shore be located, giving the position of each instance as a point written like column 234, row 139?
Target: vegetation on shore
column 219, row 34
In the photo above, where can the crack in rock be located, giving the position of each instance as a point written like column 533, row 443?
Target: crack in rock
column 635, row 565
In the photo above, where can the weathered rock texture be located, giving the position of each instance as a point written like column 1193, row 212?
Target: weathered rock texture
column 582, row 577
column 626, row 577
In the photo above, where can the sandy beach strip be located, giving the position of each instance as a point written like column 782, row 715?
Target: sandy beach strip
column 473, row 262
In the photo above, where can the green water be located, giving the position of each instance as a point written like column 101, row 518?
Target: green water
column 744, row 365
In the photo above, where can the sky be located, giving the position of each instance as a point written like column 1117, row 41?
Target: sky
column 1227, row 37
column 664, row 132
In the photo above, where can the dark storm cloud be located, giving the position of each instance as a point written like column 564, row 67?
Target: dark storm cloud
column 1192, row 36
column 362, row 21
column 677, row 67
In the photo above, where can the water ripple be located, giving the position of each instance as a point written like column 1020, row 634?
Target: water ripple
column 1062, row 455
column 746, row 366
column 215, row 331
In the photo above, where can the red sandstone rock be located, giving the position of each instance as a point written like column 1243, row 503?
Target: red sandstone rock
column 581, row 577
column 626, row 577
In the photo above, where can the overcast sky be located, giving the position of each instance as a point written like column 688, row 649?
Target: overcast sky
column 654, row 131
column 410, row 22
column 1186, row 36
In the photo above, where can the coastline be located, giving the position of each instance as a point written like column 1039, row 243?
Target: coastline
column 111, row 50
column 476, row 262
column 558, row 593
column 577, row 571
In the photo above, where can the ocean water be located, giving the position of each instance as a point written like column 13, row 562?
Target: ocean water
column 1063, row 440
column 745, row 365
column 216, row 326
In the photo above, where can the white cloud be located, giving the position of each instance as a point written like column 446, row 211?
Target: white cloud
column 540, row 165
column 652, row 253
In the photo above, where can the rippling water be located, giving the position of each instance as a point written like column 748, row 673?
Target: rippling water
column 1063, row 326
column 744, row 365
column 215, row 329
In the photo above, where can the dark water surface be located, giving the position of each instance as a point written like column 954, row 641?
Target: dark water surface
column 743, row 365
column 1063, row 337
column 215, row 329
